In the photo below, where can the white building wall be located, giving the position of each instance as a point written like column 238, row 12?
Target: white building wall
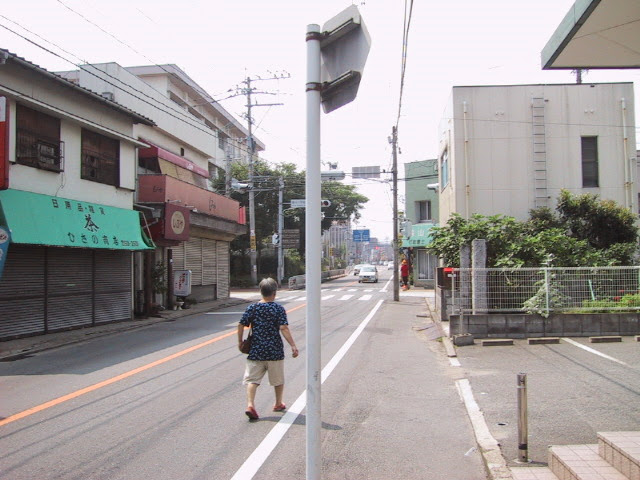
column 75, row 111
column 172, row 120
column 497, row 156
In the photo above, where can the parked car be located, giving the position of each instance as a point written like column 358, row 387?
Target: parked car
column 368, row 273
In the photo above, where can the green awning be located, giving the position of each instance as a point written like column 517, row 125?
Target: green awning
column 420, row 235
column 39, row 219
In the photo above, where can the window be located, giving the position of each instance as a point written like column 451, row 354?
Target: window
column 444, row 169
column 38, row 142
column 589, row 162
column 222, row 140
column 423, row 211
column 100, row 158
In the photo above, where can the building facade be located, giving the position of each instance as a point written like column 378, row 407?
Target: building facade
column 193, row 142
column 509, row 149
column 67, row 184
column 421, row 210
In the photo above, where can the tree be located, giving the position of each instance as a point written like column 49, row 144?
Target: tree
column 586, row 231
column 345, row 203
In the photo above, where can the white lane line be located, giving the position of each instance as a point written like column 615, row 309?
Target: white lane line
column 489, row 446
column 365, row 297
column 454, row 362
column 252, row 464
column 386, row 285
column 594, row 351
column 327, row 297
column 352, row 290
column 368, row 289
column 345, row 297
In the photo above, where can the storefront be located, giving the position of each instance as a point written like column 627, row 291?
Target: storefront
column 69, row 263
column 424, row 264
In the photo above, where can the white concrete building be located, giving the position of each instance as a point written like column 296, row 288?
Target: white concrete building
column 508, row 149
column 67, row 183
column 194, row 140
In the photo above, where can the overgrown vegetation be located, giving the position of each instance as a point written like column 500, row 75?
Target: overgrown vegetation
column 583, row 231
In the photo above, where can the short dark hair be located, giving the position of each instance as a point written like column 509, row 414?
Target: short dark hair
column 268, row 287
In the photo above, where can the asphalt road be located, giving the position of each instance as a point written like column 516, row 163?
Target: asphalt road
column 572, row 392
column 166, row 401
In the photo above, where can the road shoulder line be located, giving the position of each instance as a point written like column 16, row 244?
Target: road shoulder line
column 489, row 447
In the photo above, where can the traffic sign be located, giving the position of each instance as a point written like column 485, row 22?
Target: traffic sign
column 298, row 202
column 344, row 51
column 361, row 235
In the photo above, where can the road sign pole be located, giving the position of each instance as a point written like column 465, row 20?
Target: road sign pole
column 313, row 255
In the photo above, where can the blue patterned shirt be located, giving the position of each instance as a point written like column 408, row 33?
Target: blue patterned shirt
column 266, row 318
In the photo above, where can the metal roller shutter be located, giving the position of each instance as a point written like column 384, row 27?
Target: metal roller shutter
column 178, row 256
column 70, row 285
column 22, row 292
column 194, row 260
column 209, row 262
column 113, row 286
column 223, row 269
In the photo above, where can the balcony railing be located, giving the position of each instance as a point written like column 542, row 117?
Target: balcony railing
column 165, row 189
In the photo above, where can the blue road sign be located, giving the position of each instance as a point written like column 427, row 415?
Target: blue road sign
column 361, row 235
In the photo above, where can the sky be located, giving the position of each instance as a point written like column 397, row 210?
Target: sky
column 219, row 44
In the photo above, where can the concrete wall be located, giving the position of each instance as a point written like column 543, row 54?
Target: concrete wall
column 496, row 160
column 558, row 325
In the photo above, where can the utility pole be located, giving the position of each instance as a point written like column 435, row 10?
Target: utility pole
column 396, row 283
column 280, row 273
column 248, row 90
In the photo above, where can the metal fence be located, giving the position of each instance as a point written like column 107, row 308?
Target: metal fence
column 546, row 290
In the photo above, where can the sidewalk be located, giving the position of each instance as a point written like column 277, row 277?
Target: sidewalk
column 14, row 349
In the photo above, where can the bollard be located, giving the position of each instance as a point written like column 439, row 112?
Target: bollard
column 523, row 447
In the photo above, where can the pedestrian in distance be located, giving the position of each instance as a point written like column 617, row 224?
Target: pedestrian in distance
column 268, row 321
column 404, row 274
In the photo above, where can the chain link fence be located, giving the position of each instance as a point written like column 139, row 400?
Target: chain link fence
column 546, row 290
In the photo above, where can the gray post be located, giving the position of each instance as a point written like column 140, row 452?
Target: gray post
column 479, row 275
column 465, row 277
column 523, row 430
column 313, row 255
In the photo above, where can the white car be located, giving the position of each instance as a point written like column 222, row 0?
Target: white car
column 356, row 269
column 368, row 273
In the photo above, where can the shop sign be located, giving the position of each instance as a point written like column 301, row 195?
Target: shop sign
column 176, row 222
column 181, row 283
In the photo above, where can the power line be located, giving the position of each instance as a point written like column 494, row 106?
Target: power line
column 165, row 108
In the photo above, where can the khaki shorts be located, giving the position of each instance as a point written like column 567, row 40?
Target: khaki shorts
column 256, row 369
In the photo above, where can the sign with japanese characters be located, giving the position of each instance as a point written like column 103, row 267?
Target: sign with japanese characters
column 291, row 238
column 176, row 222
column 181, row 283
column 45, row 220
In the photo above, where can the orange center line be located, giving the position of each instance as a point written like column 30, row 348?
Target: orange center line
column 117, row 378
column 104, row 383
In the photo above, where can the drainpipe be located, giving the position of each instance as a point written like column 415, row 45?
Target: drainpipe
column 628, row 199
column 467, row 189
